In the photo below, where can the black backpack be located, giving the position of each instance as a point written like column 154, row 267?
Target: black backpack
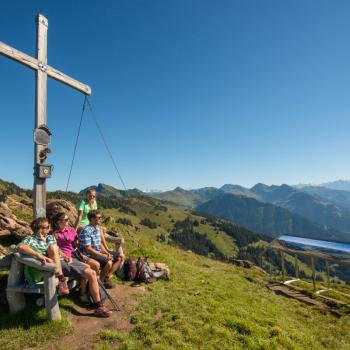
column 103, row 295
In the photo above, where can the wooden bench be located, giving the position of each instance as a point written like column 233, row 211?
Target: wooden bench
column 16, row 288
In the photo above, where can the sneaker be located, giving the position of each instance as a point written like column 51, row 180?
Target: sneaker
column 101, row 311
column 108, row 284
column 63, row 286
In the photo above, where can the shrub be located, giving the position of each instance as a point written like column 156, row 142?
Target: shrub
column 124, row 221
column 148, row 223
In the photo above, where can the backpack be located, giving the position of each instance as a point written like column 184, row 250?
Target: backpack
column 144, row 272
column 137, row 271
column 103, row 295
column 130, row 269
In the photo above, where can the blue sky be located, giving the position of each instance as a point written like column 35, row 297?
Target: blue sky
column 188, row 93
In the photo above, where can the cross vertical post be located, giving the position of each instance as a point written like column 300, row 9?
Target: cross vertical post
column 313, row 273
column 39, row 193
column 42, row 71
column 296, row 266
column 283, row 266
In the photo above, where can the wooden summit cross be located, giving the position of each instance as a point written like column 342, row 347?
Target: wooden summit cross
column 42, row 135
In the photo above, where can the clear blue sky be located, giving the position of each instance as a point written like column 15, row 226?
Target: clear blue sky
column 188, row 93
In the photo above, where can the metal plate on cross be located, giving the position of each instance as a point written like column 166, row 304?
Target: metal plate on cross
column 42, row 135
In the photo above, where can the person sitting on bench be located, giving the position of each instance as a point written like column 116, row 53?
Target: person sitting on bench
column 90, row 246
column 66, row 238
column 118, row 252
column 43, row 247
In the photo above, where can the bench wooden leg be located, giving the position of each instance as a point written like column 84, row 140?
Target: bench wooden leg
column 51, row 300
column 15, row 300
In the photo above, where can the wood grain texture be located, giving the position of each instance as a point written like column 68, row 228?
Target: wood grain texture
column 33, row 63
column 39, row 195
column 51, row 300
column 15, row 300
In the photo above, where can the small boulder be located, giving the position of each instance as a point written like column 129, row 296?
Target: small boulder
column 242, row 263
column 109, row 220
column 13, row 204
column 62, row 206
column 114, row 232
column 27, row 202
column 10, row 225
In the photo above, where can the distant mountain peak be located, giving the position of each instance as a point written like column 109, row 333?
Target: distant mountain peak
column 105, row 189
column 228, row 187
column 260, row 187
column 338, row 185
column 179, row 189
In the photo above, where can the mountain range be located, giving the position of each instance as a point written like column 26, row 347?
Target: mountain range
column 308, row 211
column 342, row 185
column 316, row 212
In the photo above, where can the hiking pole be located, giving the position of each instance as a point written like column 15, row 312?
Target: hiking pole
column 79, row 256
column 113, row 302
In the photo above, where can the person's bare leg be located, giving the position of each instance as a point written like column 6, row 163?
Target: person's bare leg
column 83, row 283
column 115, row 266
column 52, row 253
column 90, row 275
column 103, row 237
column 95, row 265
column 105, row 271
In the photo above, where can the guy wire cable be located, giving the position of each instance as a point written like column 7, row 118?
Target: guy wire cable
column 106, row 145
column 76, row 141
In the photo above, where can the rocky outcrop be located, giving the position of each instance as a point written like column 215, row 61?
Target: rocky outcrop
column 109, row 220
column 10, row 225
column 24, row 205
column 62, row 206
column 115, row 232
column 241, row 263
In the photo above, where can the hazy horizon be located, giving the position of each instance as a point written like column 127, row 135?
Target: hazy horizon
column 147, row 190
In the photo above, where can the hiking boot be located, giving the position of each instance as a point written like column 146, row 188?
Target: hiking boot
column 108, row 284
column 101, row 311
column 63, row 286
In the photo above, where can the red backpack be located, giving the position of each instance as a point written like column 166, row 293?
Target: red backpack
column 130, row 267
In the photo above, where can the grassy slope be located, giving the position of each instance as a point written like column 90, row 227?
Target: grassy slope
column 181, row 197
column 174, row 213
column 206, row 305
column 30, row 328
column 212, row 305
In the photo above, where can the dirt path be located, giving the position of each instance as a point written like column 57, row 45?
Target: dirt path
column 86, row 324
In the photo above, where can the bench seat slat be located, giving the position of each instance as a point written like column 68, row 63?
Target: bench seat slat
column 22, row 288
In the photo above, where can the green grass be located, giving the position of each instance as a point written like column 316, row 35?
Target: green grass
column 23, row 215
column 222, row 241
column 307, row 285
column 29, row 329
column 108, row 335
column 206, row 304
column 337, row 296
column 212, row 305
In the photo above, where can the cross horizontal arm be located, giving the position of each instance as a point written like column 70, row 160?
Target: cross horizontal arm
column 18, row 56
column 33, row 63
column 65, row 79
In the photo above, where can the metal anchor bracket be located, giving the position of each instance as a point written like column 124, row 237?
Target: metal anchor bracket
column 42, row 67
